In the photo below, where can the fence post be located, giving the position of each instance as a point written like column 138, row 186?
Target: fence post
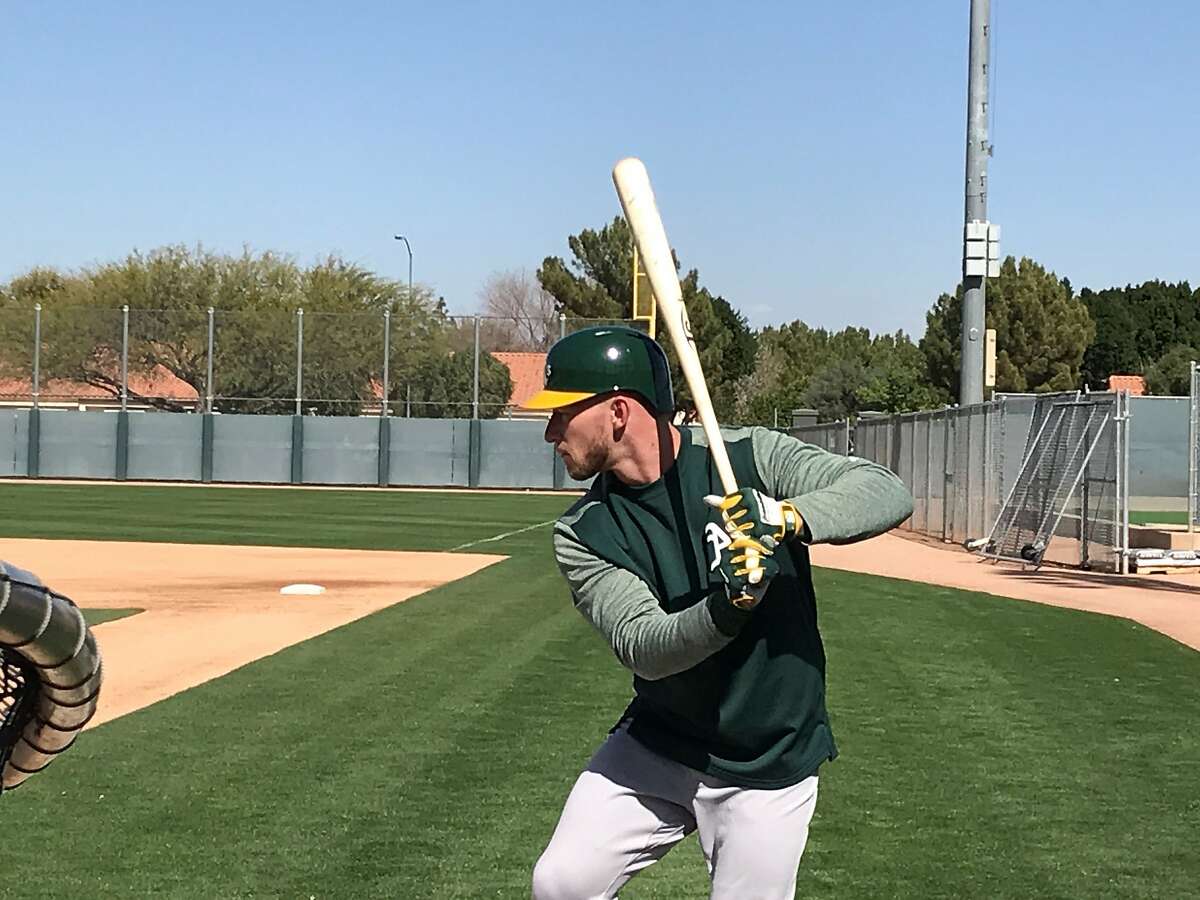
column 928, row 472
column 33, row 447
column 946, row 474
column 208, row 381
column 475, row 396
column 965, row 525
column 298, row 418
column 1193, row 437
column 912, row 468
column 385, row 428
column 122, row 450
column 299, row 360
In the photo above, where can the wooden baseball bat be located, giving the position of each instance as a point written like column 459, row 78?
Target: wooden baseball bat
column 637, row 199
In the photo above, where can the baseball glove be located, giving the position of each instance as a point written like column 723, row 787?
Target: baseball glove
column 49, row 674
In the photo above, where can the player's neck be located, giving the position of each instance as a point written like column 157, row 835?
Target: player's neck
column 649, row 454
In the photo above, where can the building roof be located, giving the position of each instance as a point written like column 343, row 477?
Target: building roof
column 1135, row 384
column 158, row 382
column 528, row 373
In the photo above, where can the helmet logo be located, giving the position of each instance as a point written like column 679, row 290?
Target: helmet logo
column 547, row 370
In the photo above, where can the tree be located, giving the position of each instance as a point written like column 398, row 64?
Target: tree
column 255, row 298
column 834, row 391
column 1041, row 332
column 1136, row 325
column 522, row 315
column 836, row 373
column 598, row 282
column 896, row 377
column 1171, row 374
column 445, row 389
column 738, row 359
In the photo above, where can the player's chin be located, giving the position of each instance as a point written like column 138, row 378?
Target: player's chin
column 578, row 469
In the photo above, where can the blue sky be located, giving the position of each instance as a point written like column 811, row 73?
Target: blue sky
column 808, row 158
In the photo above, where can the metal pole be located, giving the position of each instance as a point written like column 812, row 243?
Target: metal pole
column 299, row 359
column 912, row 469
column 37, row 353
column 946, row 473
column 965, row 524
column 1193, row 423
column 475, row 400
column 928, row 472
column 408, row 247
column 124, row 357
column 387, row 347
column 978, row 151
column 208, row 384
column 408, row 401
column 1123, row 468
column 562, row 325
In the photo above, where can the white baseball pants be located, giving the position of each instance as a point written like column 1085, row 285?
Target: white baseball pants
column 631, row 805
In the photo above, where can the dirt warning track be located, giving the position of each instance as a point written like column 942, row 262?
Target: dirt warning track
column 210, row 609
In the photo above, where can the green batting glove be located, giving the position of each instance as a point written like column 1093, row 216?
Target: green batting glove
column 745, row 565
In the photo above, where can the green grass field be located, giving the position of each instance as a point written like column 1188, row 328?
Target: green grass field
column 990, row 748
column 1163, row 517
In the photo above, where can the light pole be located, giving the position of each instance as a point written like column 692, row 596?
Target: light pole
column 401, row 237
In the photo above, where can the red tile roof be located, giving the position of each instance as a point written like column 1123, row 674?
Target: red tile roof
column 159, row 382
column 1135, row 384
column 528, row 373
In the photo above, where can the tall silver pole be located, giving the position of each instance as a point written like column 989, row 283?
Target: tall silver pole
column 299, row 359
column 124, row 357
column 1193, row 460
column 562, row 325
column 37, row 353
column 475, row 400
column 408, row 247
column 978, row 151
column 208, row 383
column 387, row 351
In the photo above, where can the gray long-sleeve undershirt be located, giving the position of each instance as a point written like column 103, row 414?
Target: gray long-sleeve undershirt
column 842, row 500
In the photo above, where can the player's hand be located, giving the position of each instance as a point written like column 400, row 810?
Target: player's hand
column 746, row 566
column 754, row 514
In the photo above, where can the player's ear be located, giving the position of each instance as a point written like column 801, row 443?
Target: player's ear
column 620, row 410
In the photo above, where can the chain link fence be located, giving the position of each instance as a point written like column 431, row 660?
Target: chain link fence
column 962, row 465
column 833, row 436
column 276, row 361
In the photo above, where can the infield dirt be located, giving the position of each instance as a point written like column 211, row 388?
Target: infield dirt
column 209, row 609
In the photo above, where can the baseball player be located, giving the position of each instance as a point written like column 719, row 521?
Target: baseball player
column 708, row 599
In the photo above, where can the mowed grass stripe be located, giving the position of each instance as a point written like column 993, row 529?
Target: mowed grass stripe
column 1036, row 748
column 97, row 616
column 987, row 750
column 387, row 520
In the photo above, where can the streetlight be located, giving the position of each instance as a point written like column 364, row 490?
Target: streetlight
column 408, row 389
column 401, row 237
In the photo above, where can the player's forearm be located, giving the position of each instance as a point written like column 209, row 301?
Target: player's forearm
column 865, row 501
column 654, row 644
column 646, row 639
column 842, row 499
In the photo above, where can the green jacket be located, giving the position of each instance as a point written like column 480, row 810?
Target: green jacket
column 737, row 695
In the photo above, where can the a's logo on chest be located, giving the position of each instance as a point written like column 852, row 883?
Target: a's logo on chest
column 718, row 540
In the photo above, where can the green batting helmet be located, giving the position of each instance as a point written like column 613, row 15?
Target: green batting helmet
column 607, row 358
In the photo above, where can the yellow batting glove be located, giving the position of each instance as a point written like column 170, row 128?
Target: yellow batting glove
column 754, row 514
